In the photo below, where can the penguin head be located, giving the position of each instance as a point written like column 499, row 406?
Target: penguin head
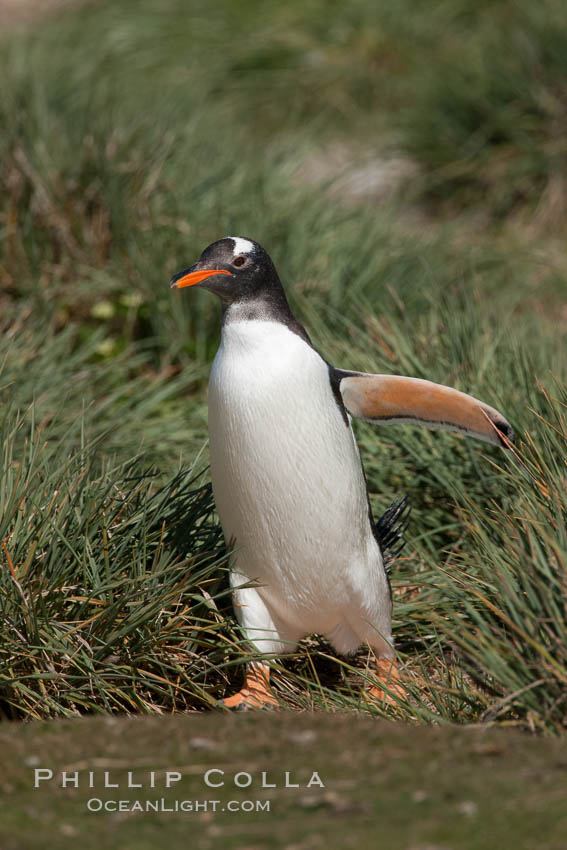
column 234, row 268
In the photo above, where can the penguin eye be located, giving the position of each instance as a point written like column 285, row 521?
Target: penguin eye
column 239, row 261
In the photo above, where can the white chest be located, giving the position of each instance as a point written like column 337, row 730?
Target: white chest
column 285, row 467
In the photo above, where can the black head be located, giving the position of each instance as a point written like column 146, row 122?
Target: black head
column 235, row 269
column 243, row 276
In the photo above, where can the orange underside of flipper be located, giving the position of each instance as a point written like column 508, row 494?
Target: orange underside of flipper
column 398, row 398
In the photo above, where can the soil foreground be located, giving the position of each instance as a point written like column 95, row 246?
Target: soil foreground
column 360, row 784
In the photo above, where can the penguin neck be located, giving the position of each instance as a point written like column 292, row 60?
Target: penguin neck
column 268, row 306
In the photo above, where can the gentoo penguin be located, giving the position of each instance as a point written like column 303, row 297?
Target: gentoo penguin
column 287, row 476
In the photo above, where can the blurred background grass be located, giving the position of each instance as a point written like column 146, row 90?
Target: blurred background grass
column 406, row 168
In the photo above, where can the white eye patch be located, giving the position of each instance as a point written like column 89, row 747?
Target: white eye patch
column 242, row 246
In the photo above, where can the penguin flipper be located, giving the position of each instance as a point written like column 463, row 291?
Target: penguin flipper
column 390, row 399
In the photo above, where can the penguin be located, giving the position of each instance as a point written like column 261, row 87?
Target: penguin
column 287, row 476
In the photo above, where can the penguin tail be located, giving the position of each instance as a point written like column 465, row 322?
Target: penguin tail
column 390, row 530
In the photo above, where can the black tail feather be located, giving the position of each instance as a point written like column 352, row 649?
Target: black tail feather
column 390, row 529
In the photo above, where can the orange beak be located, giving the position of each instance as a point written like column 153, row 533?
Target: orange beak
column 191, row 278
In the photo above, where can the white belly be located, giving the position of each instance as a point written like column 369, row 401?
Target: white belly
column 286, row 474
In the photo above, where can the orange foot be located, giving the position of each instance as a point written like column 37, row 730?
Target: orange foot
column 256, row 692
column 388, row 675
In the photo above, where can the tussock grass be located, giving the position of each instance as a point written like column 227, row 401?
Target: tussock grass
column 102, row 608
column 511, row 619
column 130, row 141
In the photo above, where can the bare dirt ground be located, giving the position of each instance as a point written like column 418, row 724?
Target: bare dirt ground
column 378, row 784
